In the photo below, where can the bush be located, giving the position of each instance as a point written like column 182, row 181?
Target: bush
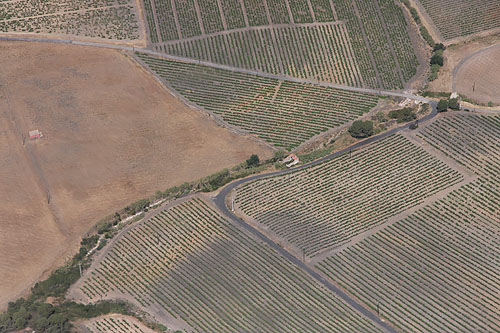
column 253, row 161
column 454, row 104
column 426, row 36
column 361, row 129
column 434, row 72
column 413, row 126
column 442, row 105
column 403, row 116
column 439, row 47
column 437, row 59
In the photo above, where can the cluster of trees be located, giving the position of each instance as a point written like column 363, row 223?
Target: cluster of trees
column 45, row 317
column 437, row 61
column 361, row 129
column 445, row 104
column 403, row 115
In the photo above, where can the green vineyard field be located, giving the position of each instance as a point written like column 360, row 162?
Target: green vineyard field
column 435, row 271
column 324, row 206
column 192, row 264
column 456, row 18
column 281, row 50
column 349, row 42
column 471, row 140
column 285, row 114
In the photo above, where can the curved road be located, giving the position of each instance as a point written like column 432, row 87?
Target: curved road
column 220, row 202
column 463, row 61
column 220, row 199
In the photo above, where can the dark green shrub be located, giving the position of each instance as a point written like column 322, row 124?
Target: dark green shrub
column 442, row 105
column 403, row 115
column 361, row 129
column 253, row 161
column 437, row 59
column 454, row 104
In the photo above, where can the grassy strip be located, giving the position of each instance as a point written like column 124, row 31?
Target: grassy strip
column 423, row 30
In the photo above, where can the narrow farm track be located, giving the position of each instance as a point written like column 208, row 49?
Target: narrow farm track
column 220, row 199
column 463, row 61
column 213, row 65
column 220, row 202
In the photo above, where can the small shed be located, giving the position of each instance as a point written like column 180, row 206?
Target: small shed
column 35, row 134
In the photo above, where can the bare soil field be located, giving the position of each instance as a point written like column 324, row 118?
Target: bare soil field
column 112, row 135
column 479, row 77
column 454, row 54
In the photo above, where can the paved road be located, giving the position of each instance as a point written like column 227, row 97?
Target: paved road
column 221, row 197
column 214, row 65
column 220, row 202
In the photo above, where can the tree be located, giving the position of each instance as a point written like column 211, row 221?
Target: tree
column 403, row 115
column 439, row 46
column 437, row 59
column 454, row 104
column 253, row 161
column 361, row 129
column 442, row 105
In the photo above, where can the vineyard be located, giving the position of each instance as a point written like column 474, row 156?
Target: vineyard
column 192, row 264
column 350, row 42
column 464, row 17
column 315, row 52
column 111, row 19
column 285, row 114
column 327, row 205
column 116, row 324
column 471, row 140
column 435, row 271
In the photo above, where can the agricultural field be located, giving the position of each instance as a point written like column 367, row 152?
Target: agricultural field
column 325, row 206
column 98, row 153
column 464, row 17
column 108, row 19
column 319, row 52
column 472, row 140
column 113, row 324
column 194, row 267
column 285, row 114
column 479, row 77
column 437, row 269
column 357, row 43
column 434, row 271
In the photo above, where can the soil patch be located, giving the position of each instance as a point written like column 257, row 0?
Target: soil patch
column 111, row 134
column 479, row 77
column 453, row 55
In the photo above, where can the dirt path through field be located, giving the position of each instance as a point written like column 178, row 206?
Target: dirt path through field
column 112, row 134
column 478, row 76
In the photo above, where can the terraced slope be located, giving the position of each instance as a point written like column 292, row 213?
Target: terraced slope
column 190, row 263
column 283, row 113
column 111, row 19
column 324, row 206
column 456, row 18
column 435, row 271
column 350, row 42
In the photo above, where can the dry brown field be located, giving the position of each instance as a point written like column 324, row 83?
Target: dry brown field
column 454, row 54
column 479, row 77
column 112, row 135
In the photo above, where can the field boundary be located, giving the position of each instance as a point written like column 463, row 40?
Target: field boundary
column 464, row 61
